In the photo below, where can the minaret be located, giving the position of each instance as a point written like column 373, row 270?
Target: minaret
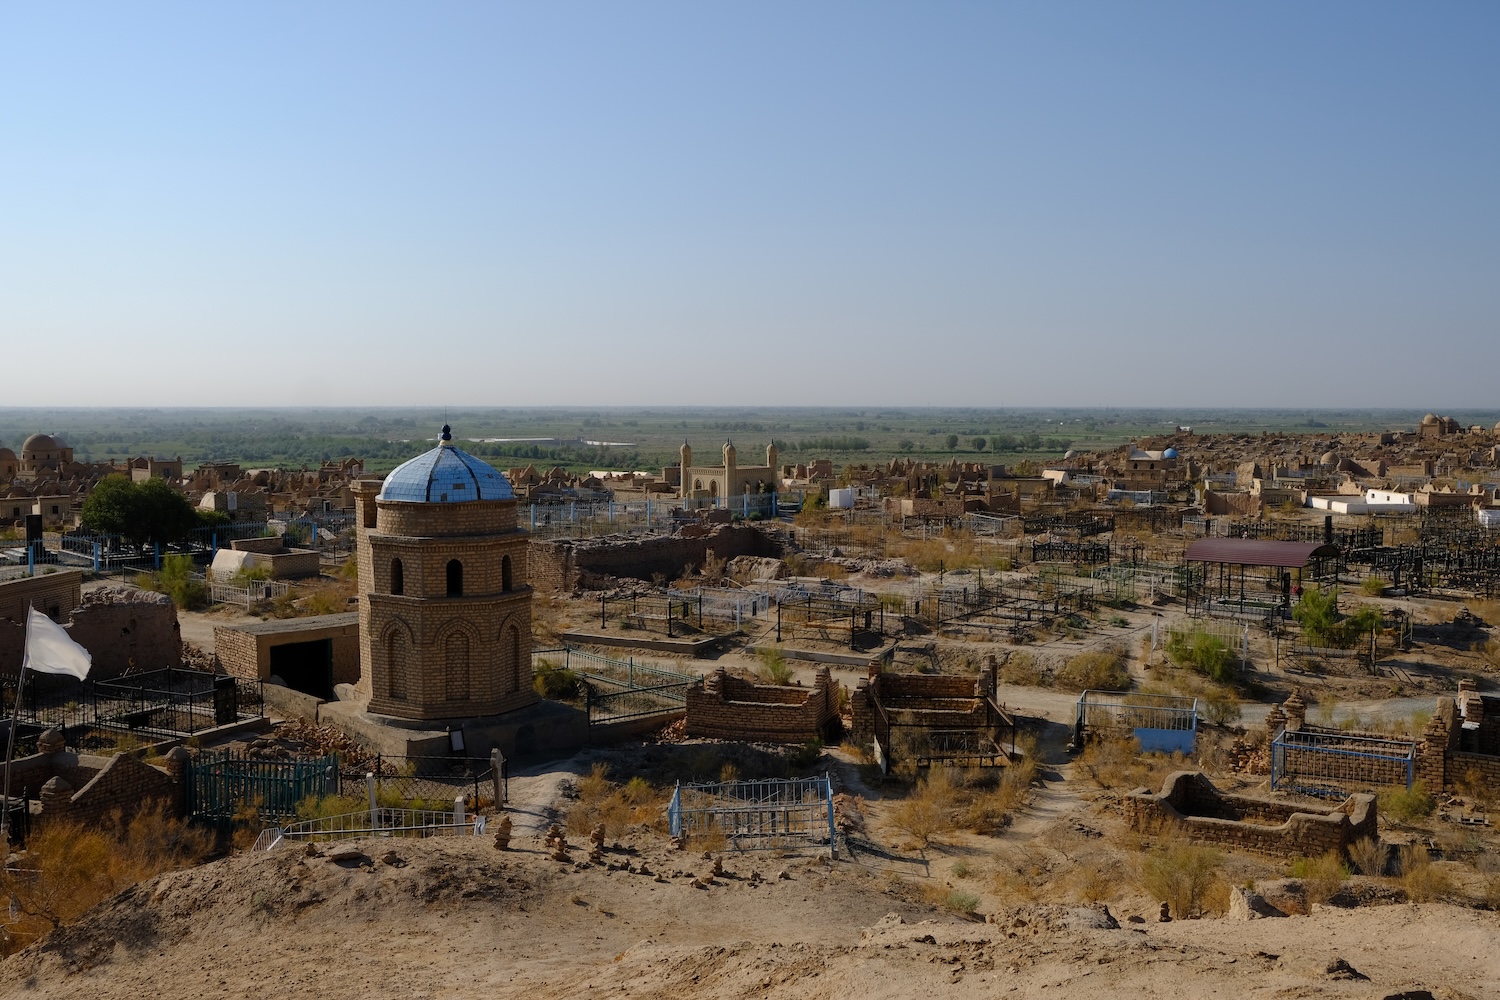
column 728, row 455
column 771, row 458
column 685, row 481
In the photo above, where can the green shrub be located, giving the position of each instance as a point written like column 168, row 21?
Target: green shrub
column 1407, row 805
column 773, row 667
column 1372, row 586
column 177, row 582
column 1322, row 876
column 554, row 681
column 805, row 756
column 962, row 902
column 1207, row 654
column 1095, row 670
column 1220, row 707
column 1318, row 614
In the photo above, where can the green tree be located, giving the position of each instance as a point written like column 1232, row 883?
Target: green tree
column 142, row 512
column 979, row 444
column 907, row 444
column 952, row 442
column 109, row 506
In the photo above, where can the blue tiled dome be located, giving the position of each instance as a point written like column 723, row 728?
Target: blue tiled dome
column 445, row 475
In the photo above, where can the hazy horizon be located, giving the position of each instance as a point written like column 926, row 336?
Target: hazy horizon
column 873, row 205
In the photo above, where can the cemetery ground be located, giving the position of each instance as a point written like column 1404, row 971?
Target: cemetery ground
column 961, row 884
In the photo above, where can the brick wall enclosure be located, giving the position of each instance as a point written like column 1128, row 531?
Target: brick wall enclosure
column 929, row 701
column 87, row 788
column 729, row 708
column 564, row 565
column 1189, row 805
column 245, row 650
column 1450, row 752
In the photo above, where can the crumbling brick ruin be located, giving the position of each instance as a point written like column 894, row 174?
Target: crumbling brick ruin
column 1461, row 739
column 127, row 631
column 1189, row 805
column 87, row 788
column 729, row 708
column 569, row 563
column 887, row 705
column 124, row 630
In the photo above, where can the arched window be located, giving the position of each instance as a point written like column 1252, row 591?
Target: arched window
column 398, row 578
column 395, row 664
column 512, row 670
column 456, row 666
column 455, row 578
column 505, row 578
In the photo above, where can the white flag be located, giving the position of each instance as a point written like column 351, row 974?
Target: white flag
column 50, row 650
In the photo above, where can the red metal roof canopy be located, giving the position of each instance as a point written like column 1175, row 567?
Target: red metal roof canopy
column 1258, row 552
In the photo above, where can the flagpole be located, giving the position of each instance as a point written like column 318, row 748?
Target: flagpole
column 10, row 749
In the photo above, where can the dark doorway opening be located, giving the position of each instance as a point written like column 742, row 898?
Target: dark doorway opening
column 305, row 666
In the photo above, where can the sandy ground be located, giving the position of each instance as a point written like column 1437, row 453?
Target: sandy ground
column 456, row 918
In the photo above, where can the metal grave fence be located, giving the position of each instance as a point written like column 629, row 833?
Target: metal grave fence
column 1160, row 723
column 618, row 690
column 220, row 783
column 377, row 821
column 1333, row 764
column 412, row 780
column 174, row 702
column 765, row 814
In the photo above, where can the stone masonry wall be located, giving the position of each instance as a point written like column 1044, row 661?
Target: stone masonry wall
column 725, row 707
column 566, row 564
column 1189, row 805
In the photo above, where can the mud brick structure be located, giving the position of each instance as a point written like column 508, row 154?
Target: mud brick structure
column 124, row 630
column 1190, row 806
column 87, row 788
column 310, row 655
column 1462, row 737
column 886, row 704
column 127, row 631
column 729, row 708
column 53, row 594
column 571, row 563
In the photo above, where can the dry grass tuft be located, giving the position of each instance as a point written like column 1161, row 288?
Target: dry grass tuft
column 617, row 807
column 69, row 868
column 1321, row 877
column 1423, row 879
column 1369, row 856
column 1186, row 878
column 927, row 812
column 1097, row 670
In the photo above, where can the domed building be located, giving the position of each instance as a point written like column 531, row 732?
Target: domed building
column 444, row 607
column 9, row 466
column 43, row 455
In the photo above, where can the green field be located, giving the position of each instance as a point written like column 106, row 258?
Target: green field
column 648, row 437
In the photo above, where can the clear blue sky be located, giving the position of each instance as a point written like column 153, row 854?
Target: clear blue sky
column 919, row 203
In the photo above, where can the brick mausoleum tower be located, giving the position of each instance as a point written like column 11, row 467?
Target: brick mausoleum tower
column 444, row 608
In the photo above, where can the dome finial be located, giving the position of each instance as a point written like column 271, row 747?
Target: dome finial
column 447, row 435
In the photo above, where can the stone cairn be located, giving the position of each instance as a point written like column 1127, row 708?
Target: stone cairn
column 502, row 834
column 557, row 843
